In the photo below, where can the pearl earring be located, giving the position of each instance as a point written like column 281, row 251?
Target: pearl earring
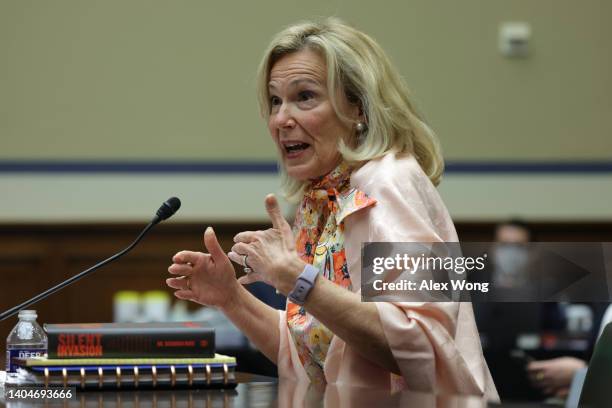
column 361, row 128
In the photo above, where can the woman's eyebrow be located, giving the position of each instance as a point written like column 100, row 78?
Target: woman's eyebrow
column 296, row 82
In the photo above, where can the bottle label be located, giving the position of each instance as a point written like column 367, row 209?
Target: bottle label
column 21, row 353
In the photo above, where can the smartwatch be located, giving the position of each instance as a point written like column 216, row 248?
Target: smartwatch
column 303, row 285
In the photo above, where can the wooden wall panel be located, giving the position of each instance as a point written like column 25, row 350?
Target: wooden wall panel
column 36, row 257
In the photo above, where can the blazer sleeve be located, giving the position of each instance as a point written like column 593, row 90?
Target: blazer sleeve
column 436, row 344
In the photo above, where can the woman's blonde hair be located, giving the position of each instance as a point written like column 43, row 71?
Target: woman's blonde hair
column 359, row 67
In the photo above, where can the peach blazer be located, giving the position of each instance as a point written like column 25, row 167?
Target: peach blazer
column 436, row 345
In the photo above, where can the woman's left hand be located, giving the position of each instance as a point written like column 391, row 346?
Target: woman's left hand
column 271, row 254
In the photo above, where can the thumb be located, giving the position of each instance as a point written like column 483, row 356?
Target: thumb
column 212, row 245
column 274, row 211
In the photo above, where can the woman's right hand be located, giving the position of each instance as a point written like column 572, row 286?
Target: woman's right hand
column 209, row 279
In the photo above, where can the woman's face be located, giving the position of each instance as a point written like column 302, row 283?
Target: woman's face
column 302, row 121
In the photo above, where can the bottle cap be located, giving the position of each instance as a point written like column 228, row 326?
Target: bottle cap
column 126, row 295
column 27, row 314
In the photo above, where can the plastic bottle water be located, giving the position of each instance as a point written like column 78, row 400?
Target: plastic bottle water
column 27, row 339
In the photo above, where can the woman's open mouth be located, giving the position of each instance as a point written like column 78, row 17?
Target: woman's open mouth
column 294, row 149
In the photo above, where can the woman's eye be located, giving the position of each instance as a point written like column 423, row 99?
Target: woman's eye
column 275, row 100
column 305, row 95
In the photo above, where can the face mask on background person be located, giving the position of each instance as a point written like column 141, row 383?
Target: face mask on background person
column 510, row 263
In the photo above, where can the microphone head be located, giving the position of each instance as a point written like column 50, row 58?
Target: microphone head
column 167, row 209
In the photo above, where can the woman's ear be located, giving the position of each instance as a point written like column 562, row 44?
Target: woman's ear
column 356, row 112
column 362, row 117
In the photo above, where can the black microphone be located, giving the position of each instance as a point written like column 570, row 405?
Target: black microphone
column 167, row 210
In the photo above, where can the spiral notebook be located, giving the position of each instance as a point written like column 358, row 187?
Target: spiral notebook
column 130, row 373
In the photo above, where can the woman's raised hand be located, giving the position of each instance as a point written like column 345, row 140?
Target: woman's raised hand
column 205, row 278
column 271, row 254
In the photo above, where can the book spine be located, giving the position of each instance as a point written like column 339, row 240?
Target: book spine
column 68, row 344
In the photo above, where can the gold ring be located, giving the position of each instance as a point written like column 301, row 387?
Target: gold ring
column 540, row 376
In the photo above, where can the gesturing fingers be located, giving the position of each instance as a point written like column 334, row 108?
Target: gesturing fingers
column 187, row 257
column 274, row 211
column 184, row 294
column 276, row 216
column 212, row 245
column 182, row 283
column 247, row 236
column 183, row 286
column 180, row 269
column 237, row 257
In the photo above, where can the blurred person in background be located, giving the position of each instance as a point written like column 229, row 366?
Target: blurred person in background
column 552, row 377
column 511, row 256
column 363, row 165
column 504, row 319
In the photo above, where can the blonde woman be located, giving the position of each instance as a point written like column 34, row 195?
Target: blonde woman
column 362, row 165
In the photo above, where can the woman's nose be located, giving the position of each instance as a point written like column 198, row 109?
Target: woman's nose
column 284, row 117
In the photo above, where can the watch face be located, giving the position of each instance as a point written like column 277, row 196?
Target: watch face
column 295, row 300
column 299, row 292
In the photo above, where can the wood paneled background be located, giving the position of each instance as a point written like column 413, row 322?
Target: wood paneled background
column 36, row 257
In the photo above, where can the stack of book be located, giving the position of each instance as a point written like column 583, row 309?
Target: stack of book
column 130, row 356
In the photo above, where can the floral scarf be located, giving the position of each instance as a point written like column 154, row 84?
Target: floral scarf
column 319, row 228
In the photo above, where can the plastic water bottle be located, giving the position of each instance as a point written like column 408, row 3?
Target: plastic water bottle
column 27, row 339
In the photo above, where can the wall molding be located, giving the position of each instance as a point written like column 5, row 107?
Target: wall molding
column 271, row 167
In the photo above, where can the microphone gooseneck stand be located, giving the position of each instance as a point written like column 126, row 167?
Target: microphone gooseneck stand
column 167, row 209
